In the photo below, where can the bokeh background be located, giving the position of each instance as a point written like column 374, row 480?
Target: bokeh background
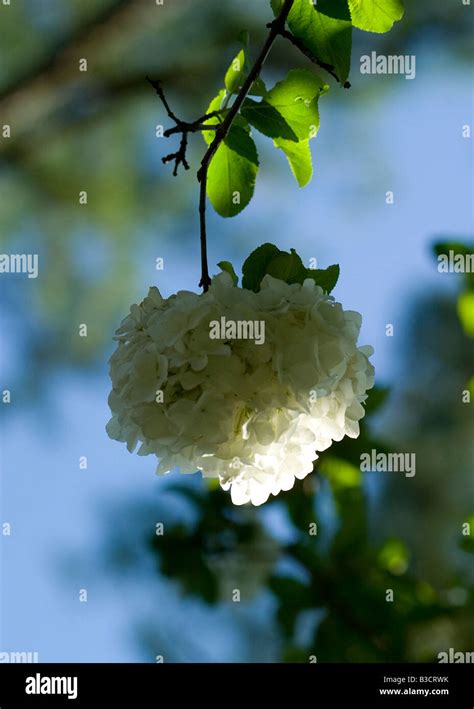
column 94, row 529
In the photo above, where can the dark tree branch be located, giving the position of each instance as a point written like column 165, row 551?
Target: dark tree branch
column 277, row 29
column 157, row 85
column 180, row 156
column 312, row 57
column 183, row 127
column 193, row 127
column 223, row 130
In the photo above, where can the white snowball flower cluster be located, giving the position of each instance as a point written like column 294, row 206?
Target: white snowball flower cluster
column 252, row 415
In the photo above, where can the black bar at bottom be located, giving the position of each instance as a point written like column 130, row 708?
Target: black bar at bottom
column 147, row 685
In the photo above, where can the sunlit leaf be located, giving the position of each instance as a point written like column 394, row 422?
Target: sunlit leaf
column 341, row 473
column 466, row 312
column 232, row 173
column 394, row 557
column 299, row 159
column 236, row 73
column 325, row 29
column 266, row 119
column 215, row 105
column 375, row 15
column 296, row 100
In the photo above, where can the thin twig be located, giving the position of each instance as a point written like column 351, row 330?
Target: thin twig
column 193, row 127
column 223, row 129
column 277, row 29
column 180, row 156
column 183, row 127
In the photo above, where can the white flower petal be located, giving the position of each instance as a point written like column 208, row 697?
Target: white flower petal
column 253, row 416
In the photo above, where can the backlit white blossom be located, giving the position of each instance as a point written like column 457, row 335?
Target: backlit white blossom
column 252, row 415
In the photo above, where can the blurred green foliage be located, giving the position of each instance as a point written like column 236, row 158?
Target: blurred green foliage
column 339, row 594
column 455, row 255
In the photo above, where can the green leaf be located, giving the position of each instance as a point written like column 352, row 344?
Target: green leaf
column 296, row 100
column 337, row 9
column 241, row 122
column 375, row 15
column 341, row 473
column 299, row 158
column 266, row 119
column 466, row 312
column 215, row 105
column 326, row 278
column 325, row 29
column 287, row 267
column 258, row 88
column 394, row 556
column 228, row 267
column 232, row 173
column 255, row 266
column 236, row 73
